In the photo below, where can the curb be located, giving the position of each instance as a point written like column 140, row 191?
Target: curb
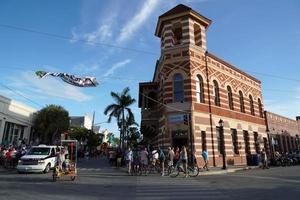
column 218, row 172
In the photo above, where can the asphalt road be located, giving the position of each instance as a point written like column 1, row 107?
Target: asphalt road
column 96, row 180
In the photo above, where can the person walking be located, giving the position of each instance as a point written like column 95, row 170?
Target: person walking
column 177, row 155
column 128, row 159
column 183, row 157
column 171, row 156
column 264, row 159
column 162, row 159
column 144, row 159
column 205, row 158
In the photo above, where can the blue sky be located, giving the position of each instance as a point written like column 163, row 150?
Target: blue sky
column 259, row 37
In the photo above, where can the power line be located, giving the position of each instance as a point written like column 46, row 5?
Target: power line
column 274, row 76
column 139, row 80
column 18, row 93
column 116, row 46
column 171, row 107
column 63, row 37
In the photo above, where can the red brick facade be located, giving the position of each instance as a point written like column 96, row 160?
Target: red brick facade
column 283, row 132
column 190, row 81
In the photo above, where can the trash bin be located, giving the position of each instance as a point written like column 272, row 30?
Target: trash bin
column 255, row 160
column 249, row 160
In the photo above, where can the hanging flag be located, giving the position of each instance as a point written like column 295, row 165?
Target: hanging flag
column 71, row 79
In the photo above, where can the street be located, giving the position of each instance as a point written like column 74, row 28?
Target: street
column 97, row 180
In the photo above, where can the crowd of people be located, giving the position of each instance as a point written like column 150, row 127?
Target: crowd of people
column 141, row 159
column 10, row 155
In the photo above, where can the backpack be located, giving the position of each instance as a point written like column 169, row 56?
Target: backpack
column 162, row 155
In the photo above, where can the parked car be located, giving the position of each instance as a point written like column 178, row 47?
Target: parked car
column 38, row 159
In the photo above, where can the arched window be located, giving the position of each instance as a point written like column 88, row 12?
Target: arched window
column 199, row 89
column 260, row 108
column 178, row 88
column 230, row 100
column 197, row 35
column 217, row 94
column 251, row 105
column 177, row 33
column 242, row 107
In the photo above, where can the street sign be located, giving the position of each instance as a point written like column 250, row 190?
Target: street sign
column 175, row 118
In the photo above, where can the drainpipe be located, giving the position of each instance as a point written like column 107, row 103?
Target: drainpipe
column 209, row 107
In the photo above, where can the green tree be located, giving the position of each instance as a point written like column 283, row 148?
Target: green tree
column 119, row 110
column 78, row 133
column 130, row 130
column 116, row 141
column 93, row 140
column 133, row 136
column 50, row 122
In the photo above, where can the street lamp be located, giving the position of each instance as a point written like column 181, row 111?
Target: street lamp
column 221, row 132
column 297, row 141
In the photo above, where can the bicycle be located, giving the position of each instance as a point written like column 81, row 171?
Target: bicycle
column 154, row 167
column 192, row 171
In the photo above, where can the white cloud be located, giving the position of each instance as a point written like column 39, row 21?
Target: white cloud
column 138, row 20
column 47, row 87
column 102, row 34
column 116, row 66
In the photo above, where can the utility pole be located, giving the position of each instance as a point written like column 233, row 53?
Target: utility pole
column 93, row 120
column 190, row 128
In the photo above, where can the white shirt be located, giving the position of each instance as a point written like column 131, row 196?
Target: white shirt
column 155, row 154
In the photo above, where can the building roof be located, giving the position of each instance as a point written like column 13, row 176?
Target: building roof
column 280, row 116
column 179, row 11
column 180, row 8
column 232, row 67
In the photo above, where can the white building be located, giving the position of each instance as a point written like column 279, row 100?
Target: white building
column 15, row 121
column 81, row 121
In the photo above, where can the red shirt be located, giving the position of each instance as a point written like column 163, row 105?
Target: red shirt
column 8, row 154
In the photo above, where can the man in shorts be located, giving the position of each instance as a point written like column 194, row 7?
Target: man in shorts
column 144, row 158
column 128, row 159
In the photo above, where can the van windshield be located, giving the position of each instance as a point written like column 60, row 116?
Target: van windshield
column 39, row 151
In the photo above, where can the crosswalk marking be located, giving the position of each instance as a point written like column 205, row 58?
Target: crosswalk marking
column 175, row 188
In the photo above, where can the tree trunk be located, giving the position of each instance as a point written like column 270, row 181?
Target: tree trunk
column 123, row 128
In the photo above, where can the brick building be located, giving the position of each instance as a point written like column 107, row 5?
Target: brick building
column 283, row 132
column 192, row 89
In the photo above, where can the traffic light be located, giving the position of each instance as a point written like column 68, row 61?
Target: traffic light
column 185, row 119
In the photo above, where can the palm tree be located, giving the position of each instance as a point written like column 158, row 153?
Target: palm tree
column 120, row 109
column 130, row 127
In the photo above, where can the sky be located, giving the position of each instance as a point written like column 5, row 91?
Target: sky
column 115, row 42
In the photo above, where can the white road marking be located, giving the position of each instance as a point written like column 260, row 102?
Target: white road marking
column 267, row 178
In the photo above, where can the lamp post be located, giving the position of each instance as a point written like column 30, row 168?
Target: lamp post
column 221, row 129
column 297, row 141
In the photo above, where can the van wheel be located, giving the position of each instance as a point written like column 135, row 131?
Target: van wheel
column 47, row 169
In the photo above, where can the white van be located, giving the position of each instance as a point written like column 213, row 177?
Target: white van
column 38, row 159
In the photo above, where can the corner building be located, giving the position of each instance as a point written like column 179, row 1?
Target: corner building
column 192, row 89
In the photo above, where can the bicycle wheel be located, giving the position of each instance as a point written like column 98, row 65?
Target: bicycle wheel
column 169, row 170
column 174, row 172
column 193, row 171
